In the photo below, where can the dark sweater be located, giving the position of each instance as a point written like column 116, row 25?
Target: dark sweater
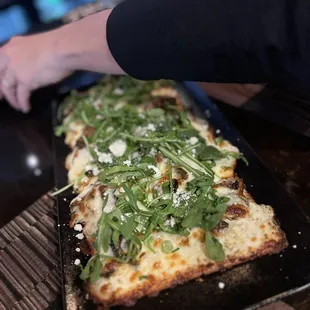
column 244, row 41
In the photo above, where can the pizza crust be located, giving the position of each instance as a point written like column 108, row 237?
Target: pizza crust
column 247, row 230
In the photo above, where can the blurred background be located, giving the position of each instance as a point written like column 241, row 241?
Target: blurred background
column 22, row 16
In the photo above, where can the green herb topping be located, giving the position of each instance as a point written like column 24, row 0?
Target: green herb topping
column 142, row 146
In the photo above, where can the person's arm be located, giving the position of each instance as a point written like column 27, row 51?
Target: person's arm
column 28, row 63
column 241, row 41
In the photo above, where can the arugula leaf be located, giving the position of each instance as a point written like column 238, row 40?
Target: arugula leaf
column 89, row 149
column 211, row 220
column 87, row 270
column 127, row 228
column 187, row 133
column 218, row 140
column 115, row 237
column 200, row 184
column 175, row 159
column 167, row 246
column 148, row 160
column 124, row 177
column 92, row 269
column 156, row 113
column 147, row 242
column 193, row 218
column 118, row 169
column 60, row 130
column 105, row 237
column 238, row 156
column 95, row 273
column 131, row 197
column 214, row 248
column 143, row 277
column 208, row 152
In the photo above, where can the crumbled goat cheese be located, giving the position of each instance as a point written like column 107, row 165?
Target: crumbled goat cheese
column 118, row 91
column 110, row 129
column 172, row 221
column 80, row 236
column 127, row 162
column 135, row 155
column 95, row 170
column 167, row 222
column 124, row 245
column 78, row 227
column 77, row 262
column 105, row 158
column 118, row 148
column 140, row 131
column 179, row 196
column 221, row 285
column 151, row 127
column 88, row 167
column 153, row 151
column 119, row 105
column 97, row 104
column 193, row 140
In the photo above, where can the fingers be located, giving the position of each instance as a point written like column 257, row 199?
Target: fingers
column 13, row 89
column 17, row 94
column 23, row 95
column 8, row 87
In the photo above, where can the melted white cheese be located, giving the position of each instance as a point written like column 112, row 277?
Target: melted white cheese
column 74, row 133
column 77, row 163
column 242, row 237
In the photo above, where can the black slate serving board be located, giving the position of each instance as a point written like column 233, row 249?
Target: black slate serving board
column 247, row 286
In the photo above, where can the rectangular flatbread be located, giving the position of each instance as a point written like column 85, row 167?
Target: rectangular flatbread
column 157, row 195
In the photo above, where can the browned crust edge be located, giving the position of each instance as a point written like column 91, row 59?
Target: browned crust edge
column 152, row 288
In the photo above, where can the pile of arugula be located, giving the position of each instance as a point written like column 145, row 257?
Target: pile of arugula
column 111, row 109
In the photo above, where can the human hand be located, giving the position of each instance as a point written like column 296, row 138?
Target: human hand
column 28, row 63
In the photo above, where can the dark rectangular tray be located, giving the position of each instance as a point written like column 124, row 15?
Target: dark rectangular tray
column 247, row 286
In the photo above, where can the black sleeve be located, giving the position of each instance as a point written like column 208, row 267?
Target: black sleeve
column 240, row 41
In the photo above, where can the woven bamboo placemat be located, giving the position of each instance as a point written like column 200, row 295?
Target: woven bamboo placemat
column 29, row 261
